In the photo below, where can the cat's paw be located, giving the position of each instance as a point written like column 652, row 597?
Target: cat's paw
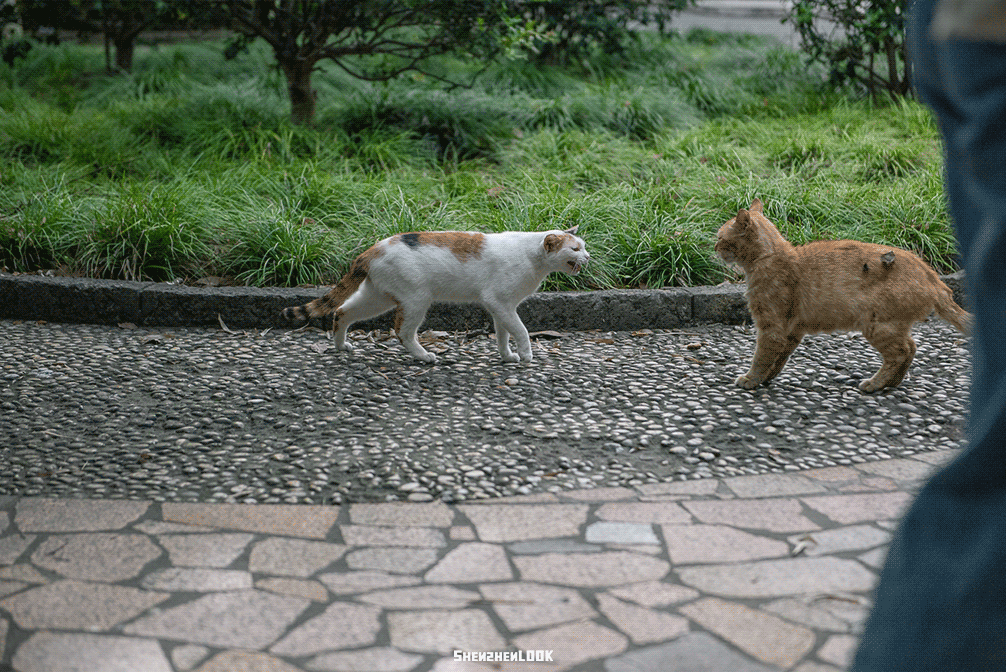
column 510, row 357
column 526, row 356
column 746, row 382
column 868, row 386
column 427, row 357
column 344, row 346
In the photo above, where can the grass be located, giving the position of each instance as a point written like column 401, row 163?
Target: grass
column 191, row 168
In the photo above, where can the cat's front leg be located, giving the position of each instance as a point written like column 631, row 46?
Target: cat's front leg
column 771, row 352
column 508, row 323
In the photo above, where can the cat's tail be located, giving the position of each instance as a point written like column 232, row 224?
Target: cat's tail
column 330, row 302
column 948, row 309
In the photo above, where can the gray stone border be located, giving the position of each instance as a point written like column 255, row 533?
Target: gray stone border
column 150, row 304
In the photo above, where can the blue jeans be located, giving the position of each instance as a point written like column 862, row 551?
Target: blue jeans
column 941, row 601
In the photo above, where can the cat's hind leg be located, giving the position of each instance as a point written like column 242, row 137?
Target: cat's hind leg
column 895, row 344
column 366, row 302
column 408, row 317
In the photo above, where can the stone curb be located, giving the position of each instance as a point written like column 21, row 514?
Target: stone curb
column 150, row 304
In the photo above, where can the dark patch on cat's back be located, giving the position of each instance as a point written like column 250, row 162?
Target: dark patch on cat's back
column 410, row 239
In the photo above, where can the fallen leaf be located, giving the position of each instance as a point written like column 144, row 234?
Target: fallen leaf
column 152, row 338
column 127, row 325
column 643, row 332
column 224, row 326
column 693, row 346
column 605, row 341
column 320, row 347
column 545, row 334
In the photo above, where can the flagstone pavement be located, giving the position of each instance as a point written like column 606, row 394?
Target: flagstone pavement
column 747, row 574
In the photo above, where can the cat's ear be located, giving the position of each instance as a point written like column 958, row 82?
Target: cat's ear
column 572, row 230
column 743, row 219
column 756, row 206
column 553, row 243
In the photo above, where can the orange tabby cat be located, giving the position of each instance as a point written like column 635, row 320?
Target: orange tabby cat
column 832, row 285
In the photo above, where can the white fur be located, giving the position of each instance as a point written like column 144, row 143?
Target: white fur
column 510, row 267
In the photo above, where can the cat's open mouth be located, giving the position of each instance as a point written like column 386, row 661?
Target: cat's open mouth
column 574, row 266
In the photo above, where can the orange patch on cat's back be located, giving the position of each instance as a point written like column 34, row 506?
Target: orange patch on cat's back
column 463, row 245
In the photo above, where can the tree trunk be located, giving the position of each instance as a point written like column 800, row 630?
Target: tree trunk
column 123, row 52
column 302, row 96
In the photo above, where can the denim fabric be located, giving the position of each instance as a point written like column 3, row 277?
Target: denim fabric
column 941, row 601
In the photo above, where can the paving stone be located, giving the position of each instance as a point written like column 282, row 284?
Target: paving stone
column 573, row 643
column 874, row 558
column 69, row 652
column 648, row 549
column 244, row 619
column 772, row 485
column 96, row 556
column 385, row 659
column 937, row 458
column 187, row 656
column 392, row 559
column 76, row 605
column 341, row 626
column 204, row 550
column 605, row 532
column 312, row 590
column 4, row 627
column 527, row 606
column 11, row 587
column 451, row 665
column 832, row 474
column 777, row 578
column 847, row 509
column 4, row 520
column 370, row 535
column 687, row 544
column 539, row 546
column 293, row 557
column 644, row 512
column 643, row 626
column 25, row 573
column 421, row 597
column 158, row 527
column 758, row 634
column 705, row 486
column 443, row 631
column 694, row 652
column 497, row 523
column 870, row 484
column 654, row 593
column 246, row 661
column 77, row 515
column 611, row 568
column 12, row 547
column 598, row 494
column 471, row 563
column 811, row 666
column 839, row 649
column 804, row 610
column 775, row 515
column 898, row 469
column 402, row 515
column 196, row 580
column 347, row 583
column 293, row 520
column 854, row 538
column 463, row 533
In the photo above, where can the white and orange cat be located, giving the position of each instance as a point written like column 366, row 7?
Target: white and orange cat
column 832, row 285
column 410, row 271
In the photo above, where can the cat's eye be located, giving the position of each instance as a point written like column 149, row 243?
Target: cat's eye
column 576, row 249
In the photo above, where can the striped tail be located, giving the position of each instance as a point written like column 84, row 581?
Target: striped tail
column 330, row 302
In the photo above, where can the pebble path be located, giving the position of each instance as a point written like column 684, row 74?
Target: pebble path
column 280, row 416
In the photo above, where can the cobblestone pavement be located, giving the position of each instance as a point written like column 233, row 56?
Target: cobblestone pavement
column 747, row 574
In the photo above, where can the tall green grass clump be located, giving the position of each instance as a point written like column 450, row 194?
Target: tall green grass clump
column 189, row 165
